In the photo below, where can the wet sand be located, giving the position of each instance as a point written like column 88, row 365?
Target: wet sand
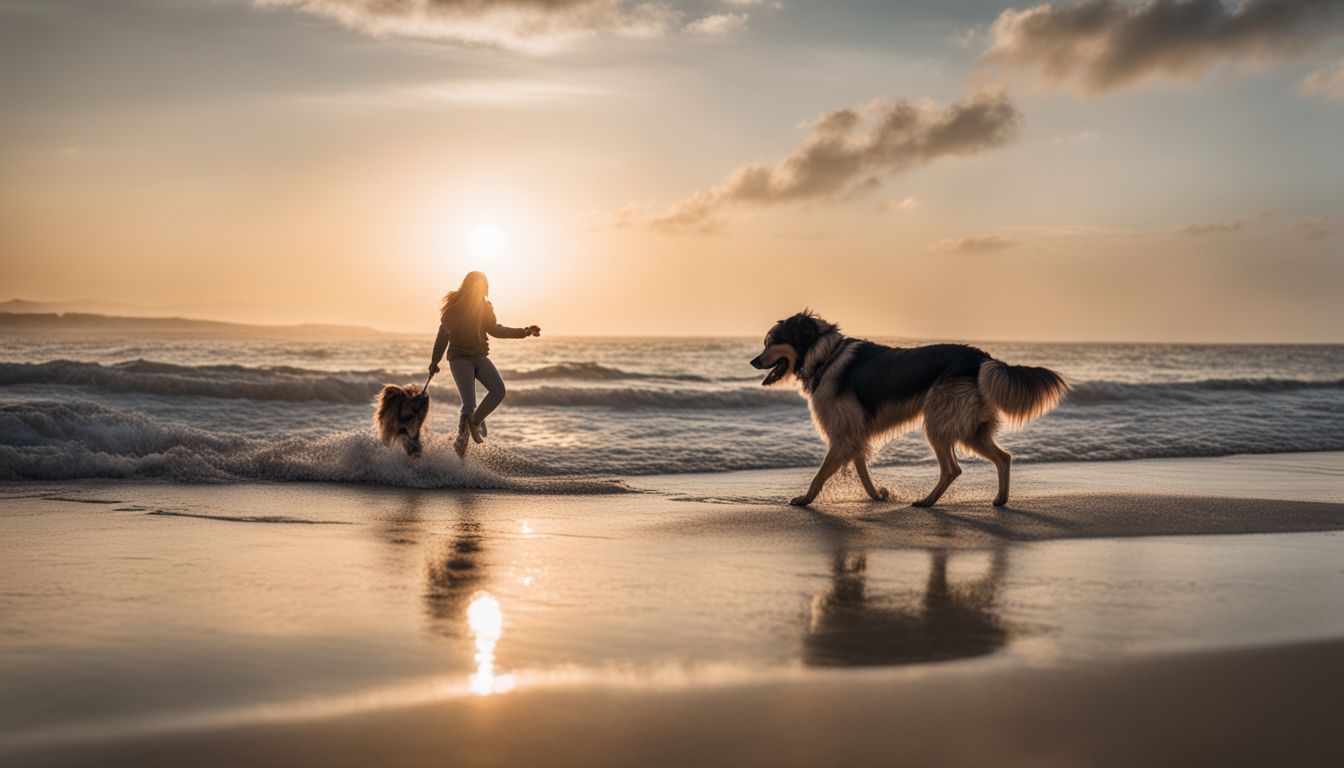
column 1277, row 706
column 691, row 621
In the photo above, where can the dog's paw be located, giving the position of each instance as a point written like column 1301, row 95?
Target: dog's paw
column 799, row 501
column 882, row 495
column 922, row 503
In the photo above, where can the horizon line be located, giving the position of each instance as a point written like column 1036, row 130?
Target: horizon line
column 893, row 336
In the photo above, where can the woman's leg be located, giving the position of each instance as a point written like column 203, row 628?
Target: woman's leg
column 488, row 374
column 464, row 375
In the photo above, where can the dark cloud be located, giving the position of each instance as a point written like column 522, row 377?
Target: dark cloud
column 846, row 152
column 535, row 25
column 1102, row 45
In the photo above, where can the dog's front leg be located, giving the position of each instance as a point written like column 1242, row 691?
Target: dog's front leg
column 835, row 458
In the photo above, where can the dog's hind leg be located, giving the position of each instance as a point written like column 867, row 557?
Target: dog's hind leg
column 836, row 458
column 982, row 442
column 951, row 414
column 948, row 470
column 861, row 468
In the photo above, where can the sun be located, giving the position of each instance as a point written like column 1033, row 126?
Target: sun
column 486, row 244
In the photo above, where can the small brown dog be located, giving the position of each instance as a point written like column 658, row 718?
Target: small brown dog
column 400, row 414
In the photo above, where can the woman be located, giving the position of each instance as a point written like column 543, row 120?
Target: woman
column 465, row 319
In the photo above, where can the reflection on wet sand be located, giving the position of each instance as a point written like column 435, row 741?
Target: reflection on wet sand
column 401, row 525
column 455, row 571
column 454, row 598
column 850, row 627
column 852, row 621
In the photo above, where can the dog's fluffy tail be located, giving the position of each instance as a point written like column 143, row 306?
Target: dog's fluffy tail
column 1021, row 393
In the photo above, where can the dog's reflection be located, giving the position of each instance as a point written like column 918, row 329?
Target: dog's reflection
column 851, row 627
column 402, row 525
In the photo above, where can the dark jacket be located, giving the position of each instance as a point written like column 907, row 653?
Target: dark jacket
column 463, row 336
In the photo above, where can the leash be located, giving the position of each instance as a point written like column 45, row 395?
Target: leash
column 426, row 387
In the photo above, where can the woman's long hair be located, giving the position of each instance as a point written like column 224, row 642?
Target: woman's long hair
column 468, row 298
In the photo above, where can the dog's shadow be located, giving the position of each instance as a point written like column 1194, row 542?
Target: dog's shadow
column 849, row 625
column 1008, row 524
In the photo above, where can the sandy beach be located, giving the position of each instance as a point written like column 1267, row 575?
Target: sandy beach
column 1113, row 614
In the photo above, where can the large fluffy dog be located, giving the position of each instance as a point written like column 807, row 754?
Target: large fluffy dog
column 860, row 391
column 399, row 415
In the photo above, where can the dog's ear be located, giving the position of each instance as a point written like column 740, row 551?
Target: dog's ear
column 391, row 396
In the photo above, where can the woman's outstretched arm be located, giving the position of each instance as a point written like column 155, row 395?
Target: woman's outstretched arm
column 493, row 328
column 505, row 332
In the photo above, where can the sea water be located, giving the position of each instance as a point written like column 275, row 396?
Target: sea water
column 234, row 407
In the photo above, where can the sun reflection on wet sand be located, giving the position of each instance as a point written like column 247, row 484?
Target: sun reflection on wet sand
column 486, row 620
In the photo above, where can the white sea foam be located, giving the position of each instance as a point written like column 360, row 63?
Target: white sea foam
column 80, row 439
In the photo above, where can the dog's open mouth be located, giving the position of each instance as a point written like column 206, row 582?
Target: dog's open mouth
column 776, row 373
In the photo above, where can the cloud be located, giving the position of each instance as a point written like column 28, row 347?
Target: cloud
column 485, row 92
column 718, row 25
column 632, row 214
column 971, row 37
column 1103, row 45
column 1082, row 137
column 531, row 25
column 981, row 244
column 904, row 205
column 846, row 152
column 1316, row 227
column 1326, row 83
column 1215, row 228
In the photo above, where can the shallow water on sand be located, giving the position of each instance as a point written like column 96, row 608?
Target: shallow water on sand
column 133, row 608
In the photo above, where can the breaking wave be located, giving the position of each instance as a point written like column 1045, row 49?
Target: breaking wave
column 222, row 381
column 46, row 440
column 283, row 383
column 1105, row 392
column 299, row 384
column 595, row 372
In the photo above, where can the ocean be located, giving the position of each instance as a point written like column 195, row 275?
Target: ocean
column 209, row 408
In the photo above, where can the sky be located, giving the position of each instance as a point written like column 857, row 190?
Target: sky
column 951, row 169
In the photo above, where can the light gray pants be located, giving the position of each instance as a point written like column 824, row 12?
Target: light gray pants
column 466, row 372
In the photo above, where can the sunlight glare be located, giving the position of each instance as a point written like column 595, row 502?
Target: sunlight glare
column 486, row 621
column 486, row 243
